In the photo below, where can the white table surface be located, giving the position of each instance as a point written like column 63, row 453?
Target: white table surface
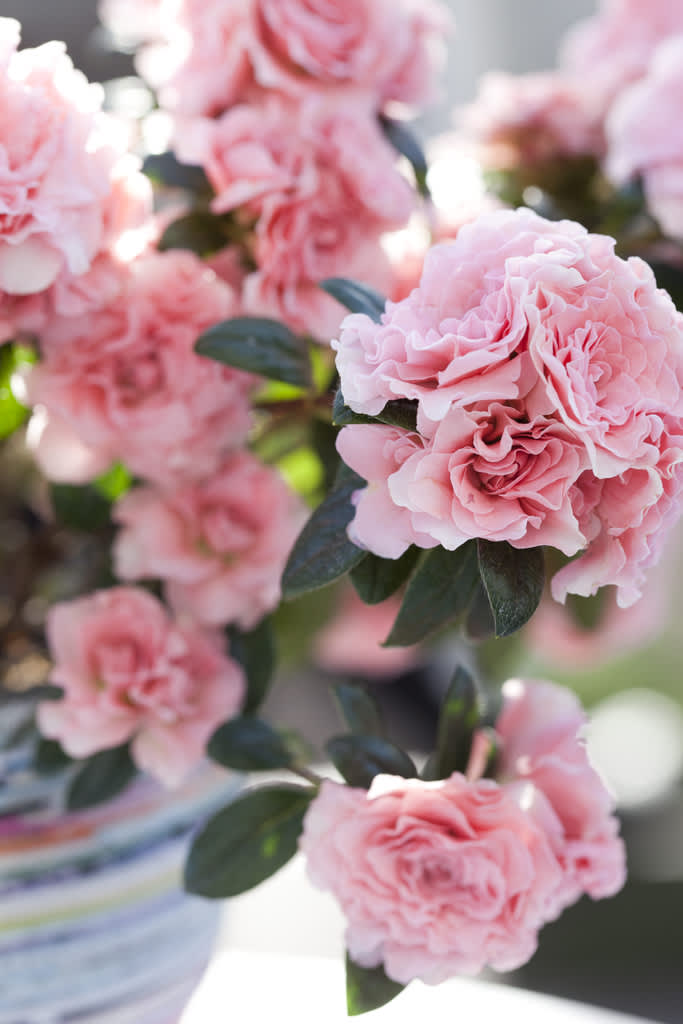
column 280, row 959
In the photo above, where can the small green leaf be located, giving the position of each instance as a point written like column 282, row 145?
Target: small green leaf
column 247, row 841
column 360, row 758
column 323, row 551
column 200, row 231
column 358, row 710
column 248, row 744
column 12, row 413
column 406, row 143
column 256, row 653
column 258, row 345
column 356, row 297
column 514, row 580
column 376, row 579
column 166, row 169
column 49, row 757
column 368, row 988
column 458, row 718
column 80, row 507
column 437, row 593
column 100, row 778
column 114, row 483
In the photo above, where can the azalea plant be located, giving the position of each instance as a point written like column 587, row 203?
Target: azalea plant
column 299, row 372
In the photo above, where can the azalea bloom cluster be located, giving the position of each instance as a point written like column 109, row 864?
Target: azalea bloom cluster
column 547, row 376
column 279, row 104
column 522, row 387
column 118, row 380
column 443, row 878
column 614, row 99
column 71, row 197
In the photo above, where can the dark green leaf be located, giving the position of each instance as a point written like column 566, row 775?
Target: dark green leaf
column 49, row 757
column 360, row 758
column 323, row 551
column 368, row 988
column 256, row 653
column 405, row 142
column 514, row 580
column 342, row 415
column 358, row 710
column 258, row 345
column 400, row 413
column 166, row 169
column 430, row 769
column 201, row 232
column 458, row 718
column 247, row 841
column 356, row 297
column 100, row 778
column 323, row 437
column 479, row 624
column 437, row 593
column 80, row 507
column 249, row 745
column 376, row 579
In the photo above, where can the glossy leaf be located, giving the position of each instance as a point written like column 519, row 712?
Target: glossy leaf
column 368, row 988
column 479, row 624
column 323, row 551
column 359, row 758
column 248, row 744
column 258, row 345
column 101, row 777
column 358, row 710
column 514, row 580
column 356, row 297
column 343, row 415
column 50, row 757
column 166, row 169
column 405, row 142
column 400, row 413
column 200, row 232
column 376, row 579
column 247, row 841
column 458, row 718
column 438, row 592
column 80, row 507
column 256, row 653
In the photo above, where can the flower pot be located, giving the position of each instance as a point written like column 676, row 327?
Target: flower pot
column 94, row 924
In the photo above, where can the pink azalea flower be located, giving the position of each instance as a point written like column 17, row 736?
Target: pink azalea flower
column 547, row 375
column 539, row 727
column 644, row 138
column 219, row 544
column 126, row 384
column 435, row 878
column 67, row 189
column 128, row 672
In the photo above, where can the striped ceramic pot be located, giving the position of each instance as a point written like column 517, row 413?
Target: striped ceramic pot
column 94, row 925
